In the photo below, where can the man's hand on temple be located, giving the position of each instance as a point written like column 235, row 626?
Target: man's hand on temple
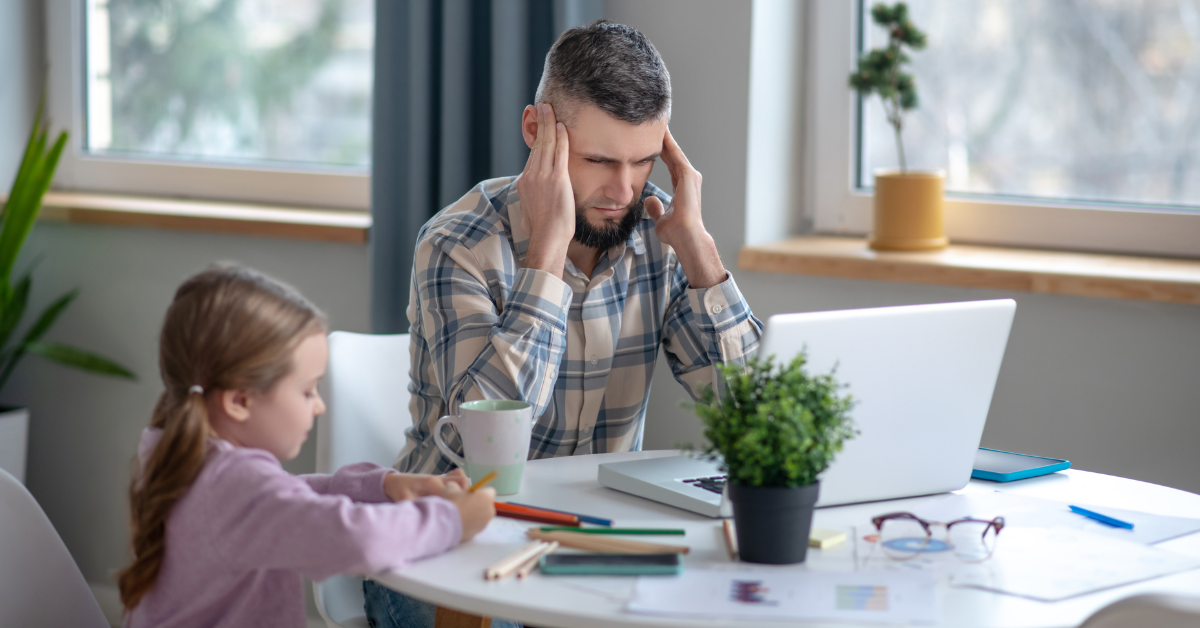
column 547, row 203
column 681, row 226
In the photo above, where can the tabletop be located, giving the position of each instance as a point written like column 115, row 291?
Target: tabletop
column 455, row 579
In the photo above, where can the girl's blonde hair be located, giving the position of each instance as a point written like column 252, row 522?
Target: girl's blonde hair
column 228, row 328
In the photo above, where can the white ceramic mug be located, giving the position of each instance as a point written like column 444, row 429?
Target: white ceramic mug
column 495, row 437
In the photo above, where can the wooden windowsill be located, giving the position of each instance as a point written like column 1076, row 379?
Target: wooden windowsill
column 210, row 216
column 1051, row 272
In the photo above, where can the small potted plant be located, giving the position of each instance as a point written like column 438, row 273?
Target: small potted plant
column 774, row 429
column 909, row 213
column 17, row 218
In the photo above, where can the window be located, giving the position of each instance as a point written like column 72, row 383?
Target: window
column 1060, row 125
column 257, row 100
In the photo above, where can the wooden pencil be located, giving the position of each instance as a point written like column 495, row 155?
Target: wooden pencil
column 535, row 515
column 532, row 563
column 605, row 545
column 507, row 565
column 730, row 541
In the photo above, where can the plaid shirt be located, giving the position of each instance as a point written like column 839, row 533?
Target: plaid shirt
column 581, row 350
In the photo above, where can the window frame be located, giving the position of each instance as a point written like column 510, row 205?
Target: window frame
column 836, row 206
column 301, row 186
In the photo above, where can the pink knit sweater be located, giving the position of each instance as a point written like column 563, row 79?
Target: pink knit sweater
column 247, row 533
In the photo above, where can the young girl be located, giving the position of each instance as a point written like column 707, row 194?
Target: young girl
column 222, row 535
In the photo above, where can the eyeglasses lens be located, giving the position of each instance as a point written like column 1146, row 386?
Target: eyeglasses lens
column 973, row 541
column 903, row 538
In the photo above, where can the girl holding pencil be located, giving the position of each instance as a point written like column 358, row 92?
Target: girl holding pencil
column 222, row 535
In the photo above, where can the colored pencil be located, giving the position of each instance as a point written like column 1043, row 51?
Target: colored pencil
column 670, row 531
column 535, row 515
column 730, row 541
column 584, row 518
column 507, row 565
column 605, row 545
column 532, row 563
column 483, row 481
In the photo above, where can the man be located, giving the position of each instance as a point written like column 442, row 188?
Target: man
column 559, row 286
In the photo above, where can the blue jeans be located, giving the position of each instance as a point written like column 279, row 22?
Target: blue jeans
column 388, row 609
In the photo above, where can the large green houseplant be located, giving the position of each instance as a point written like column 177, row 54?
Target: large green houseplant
column 17, row 218
column 774, row 429
column 909, row 214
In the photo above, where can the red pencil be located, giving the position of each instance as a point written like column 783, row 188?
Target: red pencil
column 535, row 514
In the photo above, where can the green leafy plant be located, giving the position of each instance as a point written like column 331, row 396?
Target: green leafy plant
column 16, row 220
column 775, row 426
column 879, row 70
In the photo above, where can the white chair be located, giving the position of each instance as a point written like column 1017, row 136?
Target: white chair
column 1148, row 611
column 366, row 392
column 40, row 585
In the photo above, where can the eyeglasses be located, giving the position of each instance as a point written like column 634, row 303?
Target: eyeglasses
column 903, row 535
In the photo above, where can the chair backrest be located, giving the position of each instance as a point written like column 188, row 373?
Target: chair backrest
column 40, row 585
column 367, row 398
column 1151, row 610
column 366, row 391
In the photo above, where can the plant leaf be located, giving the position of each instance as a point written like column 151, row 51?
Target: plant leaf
column 12, row 309
column 80, row 359
column 49, row 315
column 25, row 198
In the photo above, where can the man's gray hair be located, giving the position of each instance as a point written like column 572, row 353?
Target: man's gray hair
column 611, row 66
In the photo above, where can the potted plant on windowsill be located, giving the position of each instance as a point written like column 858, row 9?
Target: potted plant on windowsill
column 17, row 218
column 909, row 214
column 773, row 431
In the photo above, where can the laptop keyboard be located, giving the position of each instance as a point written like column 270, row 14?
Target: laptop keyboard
column 715, row 483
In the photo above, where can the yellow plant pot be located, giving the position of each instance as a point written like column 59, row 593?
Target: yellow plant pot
column 909, row 213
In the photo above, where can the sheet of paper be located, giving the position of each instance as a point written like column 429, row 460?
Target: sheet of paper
column 1032, row 512
column 884, row 597
column 1054, row 564
column 501, row 530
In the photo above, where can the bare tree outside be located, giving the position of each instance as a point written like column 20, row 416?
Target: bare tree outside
column 1092, row 100
column 241, row 81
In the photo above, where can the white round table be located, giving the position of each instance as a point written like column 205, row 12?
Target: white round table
column 455, row 579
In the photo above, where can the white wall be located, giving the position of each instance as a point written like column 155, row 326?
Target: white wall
column 1113, row 386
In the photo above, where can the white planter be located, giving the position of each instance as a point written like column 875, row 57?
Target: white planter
column 14, row 441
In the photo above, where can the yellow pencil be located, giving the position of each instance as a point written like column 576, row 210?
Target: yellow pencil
column 483, row 481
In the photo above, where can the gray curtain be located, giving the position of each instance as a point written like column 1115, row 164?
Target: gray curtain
column 451, row 80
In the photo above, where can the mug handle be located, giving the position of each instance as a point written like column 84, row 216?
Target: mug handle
column 441, row 444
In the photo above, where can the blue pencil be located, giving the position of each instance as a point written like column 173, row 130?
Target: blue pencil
column 582, row 518
column 1102, row 518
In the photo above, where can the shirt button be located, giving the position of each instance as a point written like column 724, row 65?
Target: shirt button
column 595, row 361
column 716, row 309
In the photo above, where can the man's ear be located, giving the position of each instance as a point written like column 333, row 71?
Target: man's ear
column 529, row 125
column 236, row 404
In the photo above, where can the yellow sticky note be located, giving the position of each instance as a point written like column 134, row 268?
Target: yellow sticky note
column 825, row 538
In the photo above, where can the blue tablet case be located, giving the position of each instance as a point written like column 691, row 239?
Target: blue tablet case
column 1049, row 465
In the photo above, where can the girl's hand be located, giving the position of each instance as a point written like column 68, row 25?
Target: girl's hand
column 402, row 486
column 476, row 509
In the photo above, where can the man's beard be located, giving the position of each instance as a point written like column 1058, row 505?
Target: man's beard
column 609, row 234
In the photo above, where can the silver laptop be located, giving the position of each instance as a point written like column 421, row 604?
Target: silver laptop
column 922, row 377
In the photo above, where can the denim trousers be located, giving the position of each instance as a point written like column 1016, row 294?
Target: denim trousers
column 388, row 609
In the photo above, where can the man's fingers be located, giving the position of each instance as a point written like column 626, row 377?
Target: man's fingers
column 561, row 148
column 654, row 208
column 672, row 155
column 551, row 129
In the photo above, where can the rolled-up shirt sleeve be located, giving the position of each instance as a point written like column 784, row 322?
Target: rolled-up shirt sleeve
column 705, row 327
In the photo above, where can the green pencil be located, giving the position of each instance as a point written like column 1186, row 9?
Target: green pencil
column 670, row 531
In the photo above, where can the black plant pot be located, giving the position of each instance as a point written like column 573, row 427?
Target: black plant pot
column 773, row 524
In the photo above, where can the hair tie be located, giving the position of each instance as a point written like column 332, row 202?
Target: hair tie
column 196, row 389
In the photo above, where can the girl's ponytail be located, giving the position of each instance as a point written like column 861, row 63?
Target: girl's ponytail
column 165, row 477
column 228, row 328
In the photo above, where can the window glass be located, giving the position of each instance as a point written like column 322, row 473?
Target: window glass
column 284, row 82
column 1092, row 100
